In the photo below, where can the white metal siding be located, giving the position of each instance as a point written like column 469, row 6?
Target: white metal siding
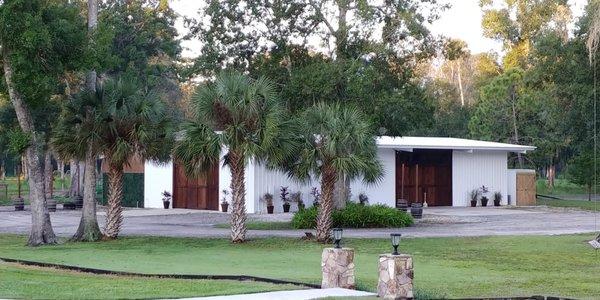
column 157, row 179
column 471, row 170
column 384, row 192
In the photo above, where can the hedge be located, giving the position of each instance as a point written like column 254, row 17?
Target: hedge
column 356, row 216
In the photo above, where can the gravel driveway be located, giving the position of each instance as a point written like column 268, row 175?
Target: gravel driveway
column 437, row 222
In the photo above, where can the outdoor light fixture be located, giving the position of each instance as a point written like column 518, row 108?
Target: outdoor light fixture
column 395, row 242
column 337, row 237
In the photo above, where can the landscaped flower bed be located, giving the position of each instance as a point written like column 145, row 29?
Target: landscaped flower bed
column 356, row 216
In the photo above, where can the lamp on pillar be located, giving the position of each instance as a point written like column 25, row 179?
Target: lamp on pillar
column 395, row 237
column 337, row 237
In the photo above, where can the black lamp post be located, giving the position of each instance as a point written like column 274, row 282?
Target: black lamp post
column 337, row 237
column 395, row 242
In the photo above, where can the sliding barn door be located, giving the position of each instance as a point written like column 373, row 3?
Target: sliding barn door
column 196, row 193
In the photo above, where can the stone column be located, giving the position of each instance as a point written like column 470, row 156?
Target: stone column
column 338, row 268
column 395, row 276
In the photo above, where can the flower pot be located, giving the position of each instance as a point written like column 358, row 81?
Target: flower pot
column 416, row 210
column 496, row 202
column 484, row 201
column 166, row 204
column 51, row 203
column 270, row 209
column 473, row 203
column 286, row 207
column 224, row 207
column 301, row 206
column 19, row 204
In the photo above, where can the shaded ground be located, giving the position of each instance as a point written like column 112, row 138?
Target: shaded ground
column 437, row 222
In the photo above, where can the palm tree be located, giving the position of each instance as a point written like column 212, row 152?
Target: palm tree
column 133, row 125
column 243, row 116
column 338, row 141
column 76, row 137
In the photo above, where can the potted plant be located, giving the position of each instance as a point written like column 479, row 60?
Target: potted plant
column 484, row 198
column 297, row 197
column 316, row 196
column 283, row 194
column 497, row 198
column 224, row 203
column 166, row 199
column 474, row 196
column 269, row 201
column 363, row 199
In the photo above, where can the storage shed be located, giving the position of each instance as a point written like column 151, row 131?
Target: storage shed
column 438, row 170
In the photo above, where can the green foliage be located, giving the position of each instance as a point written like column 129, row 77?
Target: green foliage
column 18, row 142
column 355, row 215
column 133, row 190
column 582, row 167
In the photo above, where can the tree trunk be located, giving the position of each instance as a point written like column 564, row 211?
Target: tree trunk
column 2, row 170
column 341, row 35
column 460, row 86
column 114, row 213
column 48, row 170
column 513, row 96
column 238, row 195
column 341, row 192
column 74, row 189
column 551, row 175
column 88, row 230
column 589, row 188
column 90, row 80
column 41, row 227
column 324, row 220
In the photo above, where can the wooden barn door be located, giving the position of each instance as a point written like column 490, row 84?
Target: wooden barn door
column 526, row 189
column 424, row 175
column 196, row 193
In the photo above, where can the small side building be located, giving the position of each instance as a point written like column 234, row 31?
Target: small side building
column 440, row 171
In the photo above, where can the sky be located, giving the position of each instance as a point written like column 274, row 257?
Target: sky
column 462, row 21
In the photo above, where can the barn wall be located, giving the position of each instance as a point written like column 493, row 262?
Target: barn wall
column 471, row 170
column 158, row 178
column 384, row 192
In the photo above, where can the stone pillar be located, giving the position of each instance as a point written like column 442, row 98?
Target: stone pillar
column 338, row 268
column 395, row 276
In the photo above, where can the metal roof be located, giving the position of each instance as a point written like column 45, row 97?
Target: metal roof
column 408, row 143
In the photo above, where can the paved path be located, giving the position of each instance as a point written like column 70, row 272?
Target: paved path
column 294, row 295
column 437, row 222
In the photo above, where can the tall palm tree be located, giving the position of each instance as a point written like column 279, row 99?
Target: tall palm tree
column 338, row 141
column 76, row 137
column 243, row 116
column 133, row 125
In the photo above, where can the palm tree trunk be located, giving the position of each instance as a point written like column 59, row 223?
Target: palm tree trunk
column 114, row 213
column 74, row 189
column 41, row 227
column 324, row 220
column 48, row 170
column 238, row 195
column 341, row 192
column 88, row 230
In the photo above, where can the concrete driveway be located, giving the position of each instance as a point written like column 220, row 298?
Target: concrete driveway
column 437, row 222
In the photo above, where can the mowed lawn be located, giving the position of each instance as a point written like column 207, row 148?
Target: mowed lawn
column 36, row 283
column 452, row 267
column 579, row 204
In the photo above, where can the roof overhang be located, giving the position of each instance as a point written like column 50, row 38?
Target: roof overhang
column 408, row 144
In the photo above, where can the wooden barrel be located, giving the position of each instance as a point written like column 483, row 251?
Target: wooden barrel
column 416, row 210
column 78, row 202
column 402, row 204
column 19, row 204
column 51, row 204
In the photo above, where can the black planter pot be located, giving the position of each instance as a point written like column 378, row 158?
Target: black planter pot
column 416, row 210
column 270, row 209
column 496, row 202
column 484, row 201
column 166, row 204
column 301, row 206
column 473, row 203
column 224, row 207
column 19, row 204
column 51, row 203
column 286, row 207
column 402, row 204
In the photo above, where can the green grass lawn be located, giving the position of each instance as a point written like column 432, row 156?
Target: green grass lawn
column 13, row 189
column 261, row 225
column 453, row 267
column 35, row 283
column 561, row 187
column 580, row 204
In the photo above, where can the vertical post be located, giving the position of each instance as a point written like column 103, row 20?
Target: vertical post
column 402, row 182
column 395, row 276
column 337, row 266
column 417, row 183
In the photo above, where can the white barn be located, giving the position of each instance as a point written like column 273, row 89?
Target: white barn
column 440, row 171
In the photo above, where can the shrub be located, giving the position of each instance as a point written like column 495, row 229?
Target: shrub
column 356, row 216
